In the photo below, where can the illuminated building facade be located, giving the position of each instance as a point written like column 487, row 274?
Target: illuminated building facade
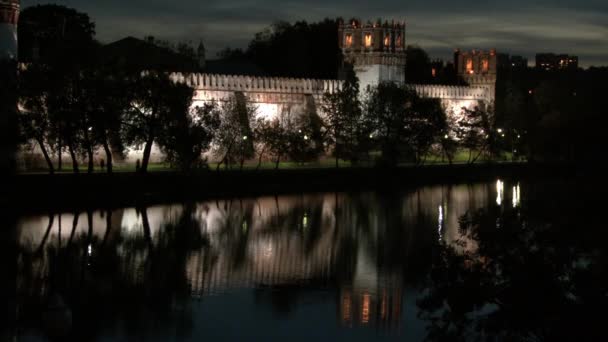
column 376, row 50
column 9, row 16
column 478, row 69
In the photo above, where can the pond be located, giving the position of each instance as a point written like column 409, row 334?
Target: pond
column 504, row 260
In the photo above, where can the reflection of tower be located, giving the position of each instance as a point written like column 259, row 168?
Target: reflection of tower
column 379, row 308
column 376, row 51
column 478, row 69
column 9, row 15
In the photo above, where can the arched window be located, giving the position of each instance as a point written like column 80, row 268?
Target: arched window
column 348, row 40
column 469, row 66
column 387, row 40
column 368, row 40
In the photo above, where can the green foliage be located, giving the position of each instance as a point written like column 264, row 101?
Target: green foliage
column 306, row 136
column 298, row 50
column 405, row 125
column 346, row 128
column 56, row 35
column 190, row 132
column 234, row 140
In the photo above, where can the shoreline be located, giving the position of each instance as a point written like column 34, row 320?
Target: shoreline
column 32, row 192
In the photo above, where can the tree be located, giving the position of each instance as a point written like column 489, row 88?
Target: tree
column 56, row 35
column 344, row 118
column 427, row 122
column 298, row 50
column 154, row 97
column 418, row 69
column 34, row 119
column 273, row 135
column 477, row 133
column 234, row 139
column 306, row 135
column 109, row 102
column 190, row 131
column 404, row 124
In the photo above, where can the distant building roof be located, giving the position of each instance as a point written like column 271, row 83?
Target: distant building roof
column 140, row 54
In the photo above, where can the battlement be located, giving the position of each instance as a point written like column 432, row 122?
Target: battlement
column 214, row 82
column 444, row 92
column 358, row 37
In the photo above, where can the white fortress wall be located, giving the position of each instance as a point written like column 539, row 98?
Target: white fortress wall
column 271, row 95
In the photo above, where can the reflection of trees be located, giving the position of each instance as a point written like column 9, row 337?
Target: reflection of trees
column 526, row 281
column 112, row 281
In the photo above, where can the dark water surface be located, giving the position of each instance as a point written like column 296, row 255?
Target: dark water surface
column 494, row 261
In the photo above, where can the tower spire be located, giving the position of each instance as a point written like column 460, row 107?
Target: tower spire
column 201, row 54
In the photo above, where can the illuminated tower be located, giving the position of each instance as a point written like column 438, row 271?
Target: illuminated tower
column 9, row 15
column 376, row 51
column 477, row 68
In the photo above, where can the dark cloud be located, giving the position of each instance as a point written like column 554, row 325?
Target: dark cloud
column 519, row 26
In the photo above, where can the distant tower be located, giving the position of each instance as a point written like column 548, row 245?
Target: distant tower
column 376, row 51
column 201, row 55
column 478, row 69
column 9, row 15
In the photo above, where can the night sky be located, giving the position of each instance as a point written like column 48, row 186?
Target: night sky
column 517, row 27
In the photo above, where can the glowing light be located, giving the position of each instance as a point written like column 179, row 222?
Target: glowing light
column 306, row 137
column 500, row 187
column 305, row 221
column 365, row 308
column 500, row 130
column 485, row 65
column 516, row 196
column 244, row 137
column 387, row 40
column 371, row 136
column 440, row 224
column 469, row 66
column 446, row 136
column 90, row 250
column 368, row 40
column 349, row 40
column 346, row 307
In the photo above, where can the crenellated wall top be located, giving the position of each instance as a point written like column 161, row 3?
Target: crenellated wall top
column 215, row 82
column 450, row 92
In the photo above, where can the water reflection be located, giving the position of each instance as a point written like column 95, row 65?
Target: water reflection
column 386, row 260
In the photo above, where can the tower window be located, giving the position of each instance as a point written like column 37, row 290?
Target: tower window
column 348, row 40
column 469, row 66
column 387, row 40
column 368, row 40
column 485, row 65
column 398, row 41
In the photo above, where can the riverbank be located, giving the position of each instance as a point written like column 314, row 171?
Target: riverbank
column 29, row 191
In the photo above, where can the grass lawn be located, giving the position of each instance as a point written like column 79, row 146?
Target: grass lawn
column 461, row 157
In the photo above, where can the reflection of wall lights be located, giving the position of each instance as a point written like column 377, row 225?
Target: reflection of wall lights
column 516, row 196
column 500, row 187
